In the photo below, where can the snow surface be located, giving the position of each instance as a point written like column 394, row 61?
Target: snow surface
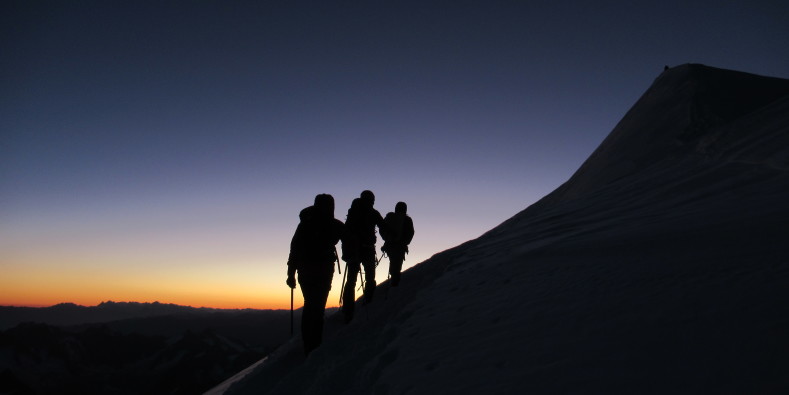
column 661, row 266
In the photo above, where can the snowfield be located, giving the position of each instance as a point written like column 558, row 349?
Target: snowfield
column 661, row 266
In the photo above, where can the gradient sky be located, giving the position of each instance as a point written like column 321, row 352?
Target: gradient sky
column 161, row 151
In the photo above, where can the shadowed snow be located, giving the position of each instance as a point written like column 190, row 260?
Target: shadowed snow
column 661, row 266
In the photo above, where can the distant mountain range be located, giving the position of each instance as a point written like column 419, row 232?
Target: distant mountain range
column 130, row 348
column 73, row 314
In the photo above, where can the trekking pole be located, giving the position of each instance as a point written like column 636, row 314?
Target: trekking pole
column 342, row 287
column 291, row 311
column 378, row 260
column 337, row 258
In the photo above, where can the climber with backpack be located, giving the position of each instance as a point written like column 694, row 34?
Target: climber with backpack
column 312, row 255
column 397, row 235
column 358, row 250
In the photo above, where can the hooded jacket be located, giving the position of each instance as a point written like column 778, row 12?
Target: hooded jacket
column 312, row 247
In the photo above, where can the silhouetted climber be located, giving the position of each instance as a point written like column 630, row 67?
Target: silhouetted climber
column 360, row 249
column 397, row 235
column 352, row 258
column 312, row 255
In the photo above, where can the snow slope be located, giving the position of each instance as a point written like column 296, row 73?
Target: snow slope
column 661, row 266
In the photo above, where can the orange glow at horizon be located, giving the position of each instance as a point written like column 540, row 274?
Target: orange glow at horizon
column 91, row 295
column 241, row 299
column 44, row 292
column 261, row 288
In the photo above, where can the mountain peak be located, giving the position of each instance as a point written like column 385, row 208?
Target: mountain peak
column 725, row 95
column 686, row 109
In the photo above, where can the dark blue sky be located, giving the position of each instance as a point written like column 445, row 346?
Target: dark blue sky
column 199, row 129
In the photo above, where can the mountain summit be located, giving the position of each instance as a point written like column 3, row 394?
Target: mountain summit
column 685, row 112
column 661, row 266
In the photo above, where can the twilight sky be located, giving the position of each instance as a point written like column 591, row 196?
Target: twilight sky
column 162, row 150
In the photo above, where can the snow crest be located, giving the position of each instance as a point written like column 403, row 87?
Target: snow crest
column 661, row 266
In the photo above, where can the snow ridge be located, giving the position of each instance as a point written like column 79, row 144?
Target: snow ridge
column 685, row 111
column 661, row 266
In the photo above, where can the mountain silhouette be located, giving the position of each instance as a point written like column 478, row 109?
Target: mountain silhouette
column 162, row 348
column 44, row 359
column 74, row 314
column 660, row 266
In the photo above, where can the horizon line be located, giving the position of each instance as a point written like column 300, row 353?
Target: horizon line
column 37, row 306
